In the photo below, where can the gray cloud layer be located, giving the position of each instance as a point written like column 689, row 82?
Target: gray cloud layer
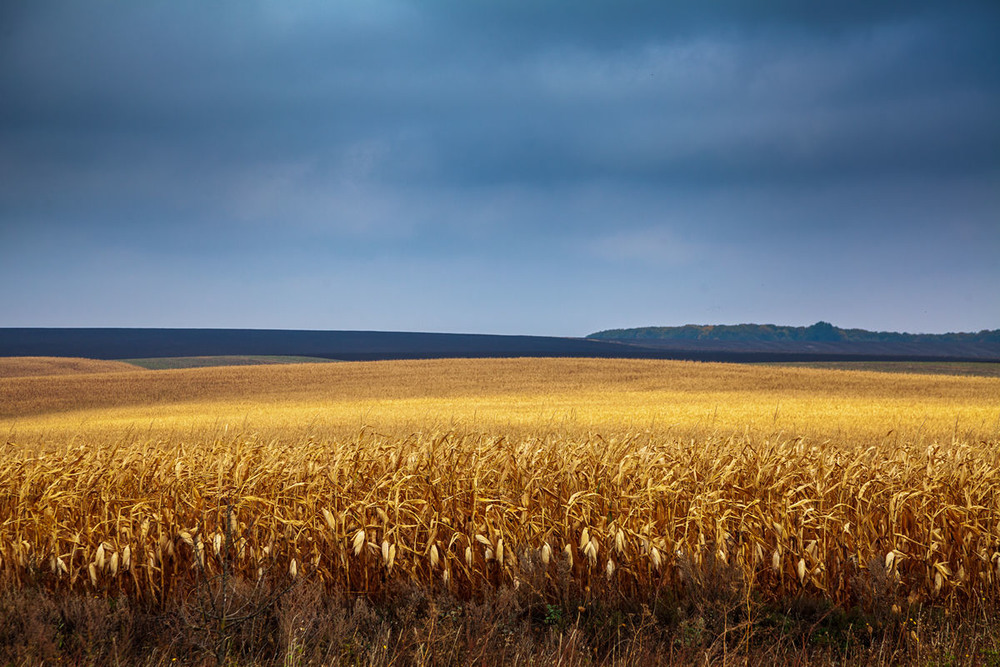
column 766, row 161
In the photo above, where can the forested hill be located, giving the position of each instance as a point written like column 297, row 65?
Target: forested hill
column 819, row 332
column 821, row 338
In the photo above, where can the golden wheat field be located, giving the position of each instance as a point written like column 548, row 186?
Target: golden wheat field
column 622, row 476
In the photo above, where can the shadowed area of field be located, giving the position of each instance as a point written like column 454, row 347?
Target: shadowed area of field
column 11, row 367
column 170, row 363
column 980, row 369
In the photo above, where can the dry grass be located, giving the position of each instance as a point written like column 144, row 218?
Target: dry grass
column 19, row 367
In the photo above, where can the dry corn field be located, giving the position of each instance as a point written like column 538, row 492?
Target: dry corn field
column 628, row 478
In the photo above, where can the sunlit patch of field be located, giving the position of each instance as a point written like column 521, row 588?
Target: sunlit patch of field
column 624, row 476
column 495, row 396
column 660, row 412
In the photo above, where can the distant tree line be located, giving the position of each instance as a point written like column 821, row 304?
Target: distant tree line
column 821, row 331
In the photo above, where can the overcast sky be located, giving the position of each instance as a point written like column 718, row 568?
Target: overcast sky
column 518, row 166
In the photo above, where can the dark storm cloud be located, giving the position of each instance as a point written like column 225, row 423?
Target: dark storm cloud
column 652, row 134
column 533, row 92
